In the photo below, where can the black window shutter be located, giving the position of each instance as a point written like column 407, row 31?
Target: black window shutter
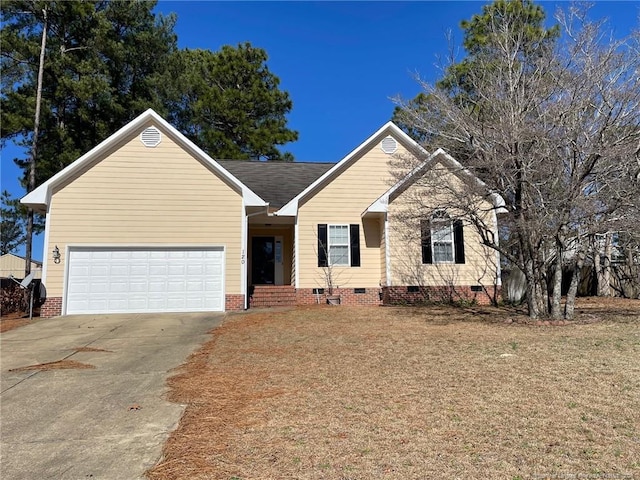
column 323, row 247
column 425, row 233
column 354, row 242
column 458, row 241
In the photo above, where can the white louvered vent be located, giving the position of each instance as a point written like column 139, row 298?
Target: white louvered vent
column 389, row 145
column 151, row 137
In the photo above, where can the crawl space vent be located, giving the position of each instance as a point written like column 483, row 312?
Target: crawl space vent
column 151, row 137
column 389, row 145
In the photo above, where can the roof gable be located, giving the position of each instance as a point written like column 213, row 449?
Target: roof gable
column 41, row 196
column 381, row 204
column 389, row 129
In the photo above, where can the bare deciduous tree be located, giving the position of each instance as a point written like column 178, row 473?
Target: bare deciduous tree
column 553, row 128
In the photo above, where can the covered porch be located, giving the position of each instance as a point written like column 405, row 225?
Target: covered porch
column 270, row 261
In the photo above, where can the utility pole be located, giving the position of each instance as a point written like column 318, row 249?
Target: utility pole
column 34, row 147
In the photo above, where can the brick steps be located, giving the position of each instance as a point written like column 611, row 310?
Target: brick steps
column 273, row 296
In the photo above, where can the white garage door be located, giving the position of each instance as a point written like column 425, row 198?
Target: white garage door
column 131, row 280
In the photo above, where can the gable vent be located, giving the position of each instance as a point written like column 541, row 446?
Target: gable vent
column 151, row 137
column 389, row 145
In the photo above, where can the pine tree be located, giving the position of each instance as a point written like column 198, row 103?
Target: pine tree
column 228, row 102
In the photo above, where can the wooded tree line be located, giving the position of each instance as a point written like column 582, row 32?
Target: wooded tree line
column 548, row 118
column 106, row 62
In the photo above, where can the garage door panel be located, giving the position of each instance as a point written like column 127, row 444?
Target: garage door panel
column 133, row 280
column 79, row 270
column 97, row 288
column 158, row 269
column 117, row 304
column 175, row 286
column 138, row 270
column 178, row 270
column 119, row 270
column 118, row 287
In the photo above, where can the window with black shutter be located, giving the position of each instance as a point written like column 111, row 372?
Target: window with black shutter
column 442, row 240
column 338, row 245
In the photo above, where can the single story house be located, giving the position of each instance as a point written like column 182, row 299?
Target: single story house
column 148, row 222
column 13, row 266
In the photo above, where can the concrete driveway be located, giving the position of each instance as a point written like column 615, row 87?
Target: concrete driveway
column 107, row 422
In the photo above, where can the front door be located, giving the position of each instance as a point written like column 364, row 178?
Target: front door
column 263, row 254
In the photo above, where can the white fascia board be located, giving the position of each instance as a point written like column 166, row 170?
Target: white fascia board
column 498, row 201
column 291, row 208
column 381, row 205
column 42, row 194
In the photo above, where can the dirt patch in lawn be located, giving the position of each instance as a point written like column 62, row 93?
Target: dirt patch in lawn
column 9, row 321
column 57, row 365
column 436, row 392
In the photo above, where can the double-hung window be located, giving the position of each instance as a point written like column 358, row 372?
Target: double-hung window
column 338, row 245
column 442, row 239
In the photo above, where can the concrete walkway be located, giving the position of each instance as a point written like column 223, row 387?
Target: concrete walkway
column 108, row 422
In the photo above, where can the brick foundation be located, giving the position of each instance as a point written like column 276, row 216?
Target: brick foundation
column 371, row 296
column 52, row 307
column 234, row 301
column 450, row 294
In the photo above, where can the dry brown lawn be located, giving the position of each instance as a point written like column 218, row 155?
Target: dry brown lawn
column 10, row 321
column 410, row 393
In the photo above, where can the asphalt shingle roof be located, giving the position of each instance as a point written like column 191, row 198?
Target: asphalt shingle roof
column 276, row 182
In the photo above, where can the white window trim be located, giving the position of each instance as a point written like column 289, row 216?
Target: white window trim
column 444, row 218
column 348, row 245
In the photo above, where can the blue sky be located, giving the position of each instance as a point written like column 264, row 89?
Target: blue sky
column 341, row 62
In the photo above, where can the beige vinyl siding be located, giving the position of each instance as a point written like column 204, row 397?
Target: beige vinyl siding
column 12, row 265
column 342, row 202
column 146, row 196
column 480, row 265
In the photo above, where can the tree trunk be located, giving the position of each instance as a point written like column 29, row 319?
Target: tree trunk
column 570, row 305
column 532, row 290
column 542, row 296
column 556, row 308
column 34, row 149
column 604, row 268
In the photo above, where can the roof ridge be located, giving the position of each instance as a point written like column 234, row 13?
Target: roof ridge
column 275, row 162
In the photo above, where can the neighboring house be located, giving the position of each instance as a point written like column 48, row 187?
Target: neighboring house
column 13, row 266
column 148, row 222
